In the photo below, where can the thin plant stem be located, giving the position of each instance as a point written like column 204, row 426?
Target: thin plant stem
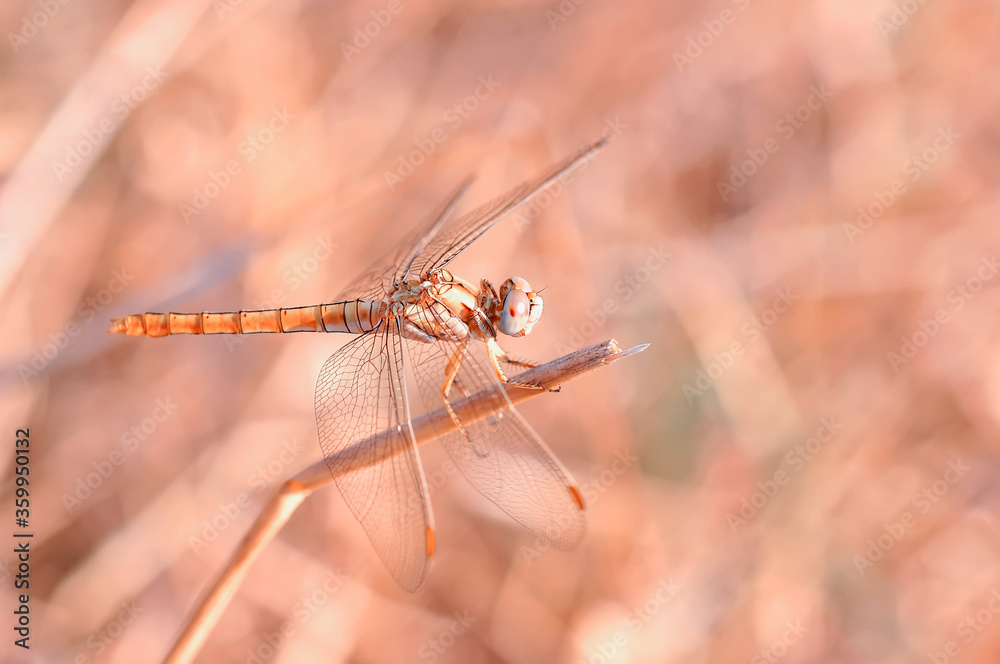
column 290, row 495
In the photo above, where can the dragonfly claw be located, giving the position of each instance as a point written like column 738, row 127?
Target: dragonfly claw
column 533, row 386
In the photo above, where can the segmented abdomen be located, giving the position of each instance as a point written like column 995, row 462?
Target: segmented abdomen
column 355, row 317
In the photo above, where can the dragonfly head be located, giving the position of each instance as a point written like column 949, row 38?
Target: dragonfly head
column 520, row 307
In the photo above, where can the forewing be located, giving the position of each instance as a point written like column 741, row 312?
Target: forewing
column 507, row 461
column 442, row 238
column 376, row 281
column 364, row 430
column 454, row 235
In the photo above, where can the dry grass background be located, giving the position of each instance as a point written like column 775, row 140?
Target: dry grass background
column 666, row 573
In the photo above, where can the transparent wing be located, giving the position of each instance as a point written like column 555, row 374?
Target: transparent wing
column 436, row 243
column 363, row 419
column 453, row 236
column 507, row 461
column 376, row 281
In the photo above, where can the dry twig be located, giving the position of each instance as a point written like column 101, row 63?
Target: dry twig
column 295, row 490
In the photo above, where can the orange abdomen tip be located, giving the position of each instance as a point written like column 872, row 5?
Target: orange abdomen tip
column 430, row 542
column 132, row 325
column 577, row 498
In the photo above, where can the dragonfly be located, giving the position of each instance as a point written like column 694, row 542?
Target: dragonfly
column 416, row 322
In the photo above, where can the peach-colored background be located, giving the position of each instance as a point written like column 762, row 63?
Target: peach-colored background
column 862, row 546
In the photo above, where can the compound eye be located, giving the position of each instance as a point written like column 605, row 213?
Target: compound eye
column 514, row 316
column 518, row 282
column 535, row 311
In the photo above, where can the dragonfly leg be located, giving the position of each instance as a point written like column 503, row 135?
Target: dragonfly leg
column 498, row 355
column 451, row 378
column 457, row 384
column 518, row 363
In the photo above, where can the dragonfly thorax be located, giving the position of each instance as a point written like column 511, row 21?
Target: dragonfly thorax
column 443, row 306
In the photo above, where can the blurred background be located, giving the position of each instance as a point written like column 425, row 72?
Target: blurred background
column 797, row 209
